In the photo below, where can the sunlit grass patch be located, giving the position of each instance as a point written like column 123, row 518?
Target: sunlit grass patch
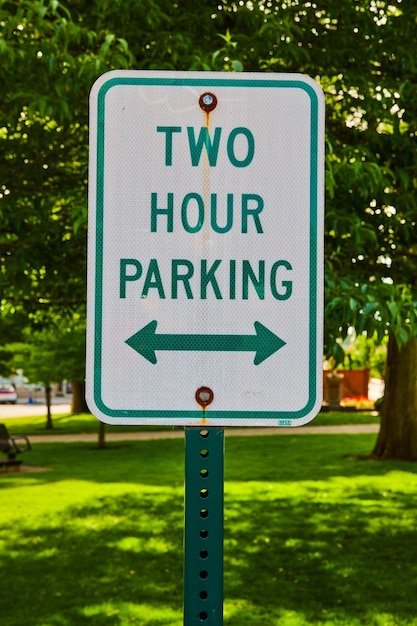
column 132, row 613
column 314, row 535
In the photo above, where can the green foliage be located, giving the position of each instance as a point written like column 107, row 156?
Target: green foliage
column 373, row 308
column 364, row 351
column 53, row 51
column 10, row 331
column 51, row 54
column 362, row 59
column 5, row 362
column 54, row 353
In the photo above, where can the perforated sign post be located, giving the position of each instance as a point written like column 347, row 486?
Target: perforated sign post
column 205, row 248
column 205, row 272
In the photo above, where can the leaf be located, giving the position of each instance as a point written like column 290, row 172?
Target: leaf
column 338, row 354
column 393, row 309
column 401, row 335
column 370, row 307
column 353, row 304
column 237, row 66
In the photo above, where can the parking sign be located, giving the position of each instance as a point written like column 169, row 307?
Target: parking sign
column 205, row 248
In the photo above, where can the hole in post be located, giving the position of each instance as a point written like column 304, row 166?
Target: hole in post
column 204, row 433
column 203, row 574
column 204, row 493
column 204, row 534
column 203, row 513
column 204, row 453
column 204, row 473
column 203, row 595
column 203, row 616
column 203, row 554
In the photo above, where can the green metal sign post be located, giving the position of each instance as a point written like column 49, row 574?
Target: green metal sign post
column 203, row 531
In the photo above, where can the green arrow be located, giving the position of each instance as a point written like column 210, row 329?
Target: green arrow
column 264, row 343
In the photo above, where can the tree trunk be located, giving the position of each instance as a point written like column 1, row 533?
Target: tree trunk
column 79, row 404
column 102, row 435
column 397, row 437
column 49, row 423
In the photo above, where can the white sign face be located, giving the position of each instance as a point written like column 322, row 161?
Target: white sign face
column 205, row 248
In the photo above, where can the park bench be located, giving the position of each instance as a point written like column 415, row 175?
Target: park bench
column 12, row 445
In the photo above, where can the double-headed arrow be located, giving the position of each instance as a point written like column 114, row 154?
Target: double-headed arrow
column 264, row 343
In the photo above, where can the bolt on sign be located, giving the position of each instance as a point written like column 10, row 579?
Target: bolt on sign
column 205, row 248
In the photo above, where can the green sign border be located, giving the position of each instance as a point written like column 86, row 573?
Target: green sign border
column 278, row 417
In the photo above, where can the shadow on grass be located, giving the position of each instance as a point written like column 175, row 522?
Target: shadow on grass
column 336, row 563
column 311, row 537
column 115, row 561
column 118, row 561
column 158, row 462
column 306, row 457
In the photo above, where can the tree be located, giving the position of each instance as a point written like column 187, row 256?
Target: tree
column 38, row 361
column 53, row 354
column 10, row 327
column 398, row 438
column 49, row 62
column 51, row 55
column 360, row 53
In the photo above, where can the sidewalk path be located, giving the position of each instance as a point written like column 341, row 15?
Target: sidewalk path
column 23, row 409
column 346, row 429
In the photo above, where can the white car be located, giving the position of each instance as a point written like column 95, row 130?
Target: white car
column 8, row 394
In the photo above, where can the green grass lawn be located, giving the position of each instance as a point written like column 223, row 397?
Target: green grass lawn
column 87, row 423
column 314, row 535
column 64, row 424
